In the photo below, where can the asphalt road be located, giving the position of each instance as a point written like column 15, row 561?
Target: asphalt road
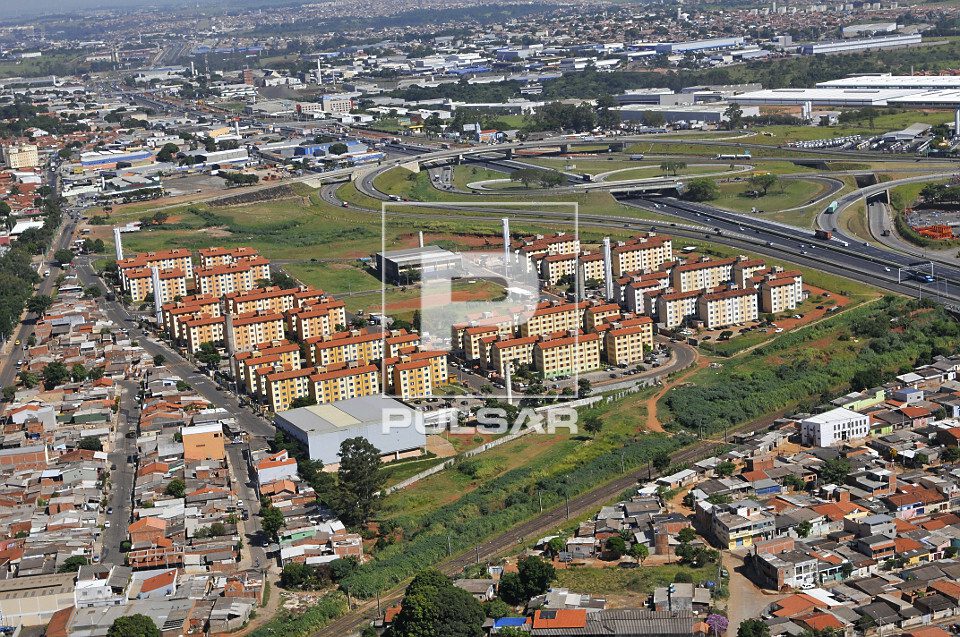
column 122, row 478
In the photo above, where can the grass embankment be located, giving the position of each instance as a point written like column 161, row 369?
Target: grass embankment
column 799, row 370
column 641, row 581
column 789, row 193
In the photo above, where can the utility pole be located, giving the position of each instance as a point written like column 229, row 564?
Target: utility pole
column 567, row 498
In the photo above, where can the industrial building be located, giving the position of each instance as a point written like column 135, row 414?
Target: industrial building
column 889, row 81
column 695, row 46
column 322, row 428
column 712, row 113
column 409, row 264
column 850, row 97
column 861, row 45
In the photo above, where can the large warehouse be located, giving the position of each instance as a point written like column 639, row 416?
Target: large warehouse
column 888, row 81
column 854, row 98
column 410, row 264
column 321, row 428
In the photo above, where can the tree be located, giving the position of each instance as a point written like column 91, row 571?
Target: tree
column 556, row 545
column 951, row 454
column 433, row 606
column 159, row 360
column 725, row 469
column 734, row 116
column 302, row 401
column 497, row 608
column 835, row 471
column 511, row 589
column 536, row 574
column 296, row 576
column 72, row 564
column 866, row 378
column 208, row 354
column 90, row 443
column 703, row 189
column 639, row 552
column 344, row 567
column 673, row 167
column 168, row 152
column 593, row 424
column 661, row 461
column 176, row 488
column 272, row 520
column 795, row 482
column 78, row 373
column 584, row 388
column 360, row 477
column 804, row 528
column 63, row 256
column 135, row 625
column 615, row 547
column 753, row 628
column 686, row 535
column 764, row 181
column 92, row 292
column 39, row 304
column 55, row 373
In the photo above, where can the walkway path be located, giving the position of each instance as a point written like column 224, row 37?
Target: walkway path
column 653, row 423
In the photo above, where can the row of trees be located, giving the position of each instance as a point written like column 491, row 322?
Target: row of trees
column 540, row 176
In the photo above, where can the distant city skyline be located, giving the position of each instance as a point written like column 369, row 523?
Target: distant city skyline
column 17, row 10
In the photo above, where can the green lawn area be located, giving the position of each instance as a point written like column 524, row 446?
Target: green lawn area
column 614, row 580
column 790, row 193
column 334, row 277
column 395, row 472
column 467, row 174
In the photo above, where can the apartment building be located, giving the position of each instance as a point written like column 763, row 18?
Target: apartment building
column 245, row 331
column 473, row 346
column 316, row 320
column 139, row 284
column 213, row 257
column 627, row 340
column 745, row 269
column 221, row 280
column 344, row 347
column 20, row 156
column 400, row 341
column 596, row 315
column 674, row 307
column 730, row 307
column 518, row 351
column 284, row 354
column 641, row 254
column 280, row 389
column 741, row 524
column 352, row 381
column 412, row 379
column 532, row 248
column 781, row 291
column 549, row 318
column 269, row 299
column 705, row 274
column 632, row 291
column 573, row 354
column 504, row 325
column 592, row 267
column 173, row 314
column 176, row 259
column 205, row 329
column 555, row 267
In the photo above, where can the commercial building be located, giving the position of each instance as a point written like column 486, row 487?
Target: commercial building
column 712, row 113
column 203, row 442
column 824, row 96
column 21, row 156
column 109, row 159
column 836, row 425
column 575, row 354
column 627, row 340
column 697, row 46
column 412, row 264
column 889, row 81
column 388, row 424
column 730, row 307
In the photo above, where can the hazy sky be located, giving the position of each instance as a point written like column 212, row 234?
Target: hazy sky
column 32, row 8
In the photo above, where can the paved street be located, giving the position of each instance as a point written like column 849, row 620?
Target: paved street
column 259, row 429
column 122, row 478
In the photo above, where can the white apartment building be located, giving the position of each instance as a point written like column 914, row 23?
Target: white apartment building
column 836, row 425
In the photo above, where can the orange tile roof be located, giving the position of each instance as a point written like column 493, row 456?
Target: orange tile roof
column 560, row 619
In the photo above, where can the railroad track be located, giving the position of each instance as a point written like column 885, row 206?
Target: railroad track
column 366, row 611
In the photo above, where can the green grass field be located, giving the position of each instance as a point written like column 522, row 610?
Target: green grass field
column 639, row 581
column 789, row 193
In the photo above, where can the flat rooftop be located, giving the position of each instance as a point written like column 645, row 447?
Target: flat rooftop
column 343, row 415
column 410, row 256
